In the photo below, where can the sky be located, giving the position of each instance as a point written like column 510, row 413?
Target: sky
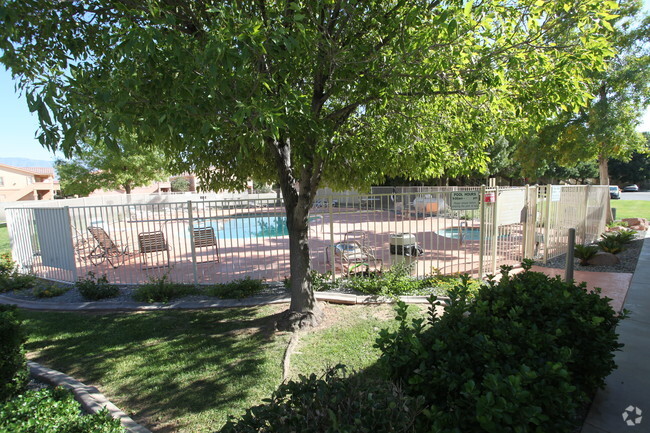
column 18, row 126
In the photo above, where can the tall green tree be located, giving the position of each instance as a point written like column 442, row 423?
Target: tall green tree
column 606, row 128
column 303, row 93
column 122, row 165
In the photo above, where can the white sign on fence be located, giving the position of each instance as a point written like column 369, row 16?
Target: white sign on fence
column 556, row 192
column 465, row 200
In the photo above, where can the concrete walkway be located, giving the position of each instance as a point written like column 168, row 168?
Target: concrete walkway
column 621, row 406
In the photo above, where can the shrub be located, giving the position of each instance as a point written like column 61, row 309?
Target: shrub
column 94, row 289
column 10, row 278
column 616, row 223
column 622, row 236
column 585, row 252
column 236, row 289
column 331, row 404
column 525, row 355
column 162, row 290
column 49, row 290
column 610, row 245
column 13, row 367
column 52, row 410
column 397, row 282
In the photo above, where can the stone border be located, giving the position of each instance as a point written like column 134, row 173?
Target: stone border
column 335, row 298
column 91, row 400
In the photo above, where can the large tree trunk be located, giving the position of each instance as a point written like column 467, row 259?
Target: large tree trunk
column 298, row 197
column 304, row 310
column 603, row 170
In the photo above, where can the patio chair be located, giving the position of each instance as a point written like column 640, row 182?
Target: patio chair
column 105, row 249
column 153, row 242
column 203, row 238
column 353, row 257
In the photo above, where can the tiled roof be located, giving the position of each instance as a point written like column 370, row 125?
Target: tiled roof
column 40, row 170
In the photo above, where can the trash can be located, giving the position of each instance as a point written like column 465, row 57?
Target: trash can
column 404, row 249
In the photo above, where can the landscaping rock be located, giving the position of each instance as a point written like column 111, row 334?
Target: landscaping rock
column 604, row 259
column 637, row 223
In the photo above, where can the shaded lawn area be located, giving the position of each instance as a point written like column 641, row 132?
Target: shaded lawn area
column 172, row 371
column 347, row 336
column 187, row 371
column 5, row 246
column 631, row 209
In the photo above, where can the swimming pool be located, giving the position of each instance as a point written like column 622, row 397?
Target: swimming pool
column 468, row 233
column 251, row 226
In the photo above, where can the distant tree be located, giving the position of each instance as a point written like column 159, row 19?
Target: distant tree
column 605, row 128
column 637, row 169
column 303, row 93
column 180, row 184
column 124, row 164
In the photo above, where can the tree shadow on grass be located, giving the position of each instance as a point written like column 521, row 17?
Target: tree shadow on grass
column 169, row 369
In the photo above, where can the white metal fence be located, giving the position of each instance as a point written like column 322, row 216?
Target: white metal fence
column 211, row 241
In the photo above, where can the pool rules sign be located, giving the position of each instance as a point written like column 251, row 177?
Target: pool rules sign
column 465, row 200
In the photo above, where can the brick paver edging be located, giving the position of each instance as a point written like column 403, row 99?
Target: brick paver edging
column 335, row 298
column 91, row 400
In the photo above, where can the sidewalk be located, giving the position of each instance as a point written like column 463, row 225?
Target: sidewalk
column 621, row 405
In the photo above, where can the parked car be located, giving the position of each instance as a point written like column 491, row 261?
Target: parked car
column 614, row 192
column 631, row 188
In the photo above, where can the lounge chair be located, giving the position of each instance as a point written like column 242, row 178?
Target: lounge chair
column 105, row 249
column 153, row 242
column 353, row 257
column 203, row 238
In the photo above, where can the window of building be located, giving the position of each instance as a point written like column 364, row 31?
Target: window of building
column 2, row 181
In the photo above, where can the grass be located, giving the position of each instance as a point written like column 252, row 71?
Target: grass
column 346, row 337
column 5, row 245
column 187, row 371
column 175, row 371
column 632, row 209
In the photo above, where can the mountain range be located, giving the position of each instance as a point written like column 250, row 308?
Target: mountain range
column 26, row 162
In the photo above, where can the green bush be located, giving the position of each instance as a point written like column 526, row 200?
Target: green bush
column 585, row 252
column 13, row 366
column 331, row 404
column 10, row 278
column 610, row 245
column 622, row 236
column 163, row 290
column 94, row 289
column 236, row 289
column 49, row 290
column 52, row 410
column 398, row 281
column 525, row 355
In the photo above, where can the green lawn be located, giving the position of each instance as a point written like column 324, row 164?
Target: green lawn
column 177, row 371
column 186, row 371
column 5, row 246
column 631, row 208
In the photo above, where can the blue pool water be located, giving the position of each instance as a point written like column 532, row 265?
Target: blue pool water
column 248, row 227
column 253, row 226
column 469, row 233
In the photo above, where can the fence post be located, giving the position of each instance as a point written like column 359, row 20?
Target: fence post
column 495, row 230
column 568, row 275
column 547, row 221
column 482, row 234
column 331, row 253
column 192, row 244
column 74, row 255
column 524, row 225
column 583, row 238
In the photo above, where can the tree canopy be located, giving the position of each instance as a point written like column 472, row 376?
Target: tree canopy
column 304, row 93
column 123, row 165
column 606, row 128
